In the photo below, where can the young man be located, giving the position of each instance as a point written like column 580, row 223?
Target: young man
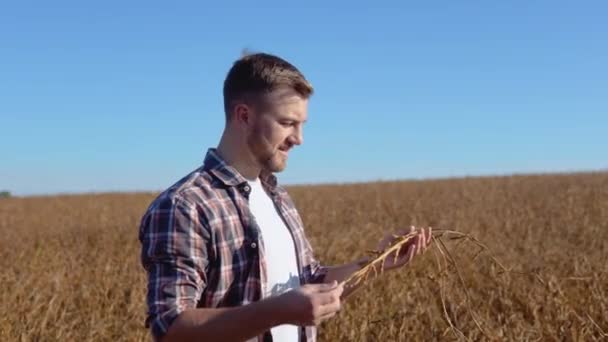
column 224, row 248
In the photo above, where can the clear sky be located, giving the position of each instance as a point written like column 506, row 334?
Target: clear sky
column 127, row 95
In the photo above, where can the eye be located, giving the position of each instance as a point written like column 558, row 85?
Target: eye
column 287, row 123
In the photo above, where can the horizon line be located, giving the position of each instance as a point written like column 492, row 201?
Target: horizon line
column 333, row 182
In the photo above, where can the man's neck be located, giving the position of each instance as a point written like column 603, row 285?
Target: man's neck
column 237, row 156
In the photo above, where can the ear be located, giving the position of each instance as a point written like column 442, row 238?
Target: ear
column 242, row 114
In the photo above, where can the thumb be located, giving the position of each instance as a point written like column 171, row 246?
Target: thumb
column 327, row 286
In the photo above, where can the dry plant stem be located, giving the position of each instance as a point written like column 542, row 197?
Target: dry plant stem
column 365, row 271
column 375, row 267
column 372, row 267
column 457, row 332
column 438, row 243
column 381, row 256
column 597, row 326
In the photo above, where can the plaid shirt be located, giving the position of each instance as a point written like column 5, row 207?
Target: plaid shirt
column 201, row 247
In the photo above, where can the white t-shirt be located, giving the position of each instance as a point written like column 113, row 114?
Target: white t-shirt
column 280, row 253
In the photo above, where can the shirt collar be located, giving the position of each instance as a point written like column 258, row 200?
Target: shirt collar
column 230, row 176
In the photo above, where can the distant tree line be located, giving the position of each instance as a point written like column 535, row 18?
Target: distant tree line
column 5, row 194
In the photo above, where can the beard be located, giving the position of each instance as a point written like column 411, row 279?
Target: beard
column 265, row 154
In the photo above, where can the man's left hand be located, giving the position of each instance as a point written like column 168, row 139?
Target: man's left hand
column 415, row 246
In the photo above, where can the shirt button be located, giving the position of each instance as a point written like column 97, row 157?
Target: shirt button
column 246, row 188
column 254, row 245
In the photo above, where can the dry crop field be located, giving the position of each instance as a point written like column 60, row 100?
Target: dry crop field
column 71, row 272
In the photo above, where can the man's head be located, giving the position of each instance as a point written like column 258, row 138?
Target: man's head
column 266, row 101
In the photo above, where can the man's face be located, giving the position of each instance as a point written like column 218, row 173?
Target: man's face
column 276, row 128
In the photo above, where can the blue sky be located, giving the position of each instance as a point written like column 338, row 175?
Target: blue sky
column 126, row 96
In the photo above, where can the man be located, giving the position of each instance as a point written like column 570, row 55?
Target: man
column 224, row 248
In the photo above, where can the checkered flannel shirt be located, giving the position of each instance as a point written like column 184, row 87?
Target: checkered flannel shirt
column 201, row 248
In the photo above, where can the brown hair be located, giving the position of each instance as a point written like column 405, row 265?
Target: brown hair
column 254, row 75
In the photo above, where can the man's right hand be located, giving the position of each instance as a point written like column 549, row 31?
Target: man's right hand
column 311, row 304
column 307, row 305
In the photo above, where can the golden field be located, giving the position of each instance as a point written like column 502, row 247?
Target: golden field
column 71, row 272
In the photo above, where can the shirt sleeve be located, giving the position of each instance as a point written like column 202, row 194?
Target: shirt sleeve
column 174, row 254
column 314, row 272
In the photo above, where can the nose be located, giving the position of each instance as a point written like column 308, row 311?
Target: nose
column 297, row 138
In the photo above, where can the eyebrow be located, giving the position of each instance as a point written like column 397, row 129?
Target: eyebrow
column 289, row 118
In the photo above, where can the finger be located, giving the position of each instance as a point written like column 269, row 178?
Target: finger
column 416, row 244
column 340, row 290
column 325, row 298
column 325, row 317
column 427, row 239
column 411, row 253
column 326, row 287
column 421, row 241
column 332, row 304
column 430, row 236
column 424, row 240
column 328, row 298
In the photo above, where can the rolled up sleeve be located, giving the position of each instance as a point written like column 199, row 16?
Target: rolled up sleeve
column 314, row 271
column 174, row 254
